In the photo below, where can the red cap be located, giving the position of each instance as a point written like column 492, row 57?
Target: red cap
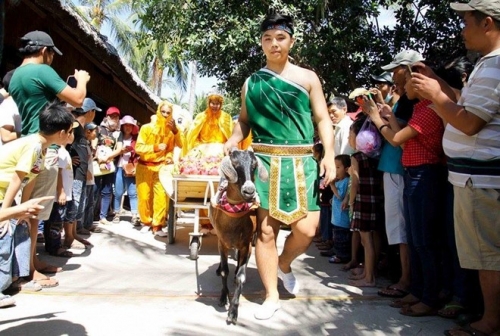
column 113, row 110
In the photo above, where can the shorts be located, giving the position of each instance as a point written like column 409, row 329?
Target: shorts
column 15, row 248
column 395, row 223
column 75, row 209
column 477, row 227
column 46, row 183
column 62, row 213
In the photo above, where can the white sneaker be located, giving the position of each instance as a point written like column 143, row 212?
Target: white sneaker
column 145, row 229
column 266, row 310
column 289, row 281
column 161, row 233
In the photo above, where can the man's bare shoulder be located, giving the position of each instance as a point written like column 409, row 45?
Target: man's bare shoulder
column 305, row 77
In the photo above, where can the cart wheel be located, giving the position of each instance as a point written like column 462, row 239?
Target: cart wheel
column 171, row 222
column 193, row 248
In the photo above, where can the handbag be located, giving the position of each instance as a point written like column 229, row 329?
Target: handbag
column 129, row 169
column 110, row 168
column 369, row 140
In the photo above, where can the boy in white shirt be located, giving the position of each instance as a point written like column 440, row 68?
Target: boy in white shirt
column 61, row 213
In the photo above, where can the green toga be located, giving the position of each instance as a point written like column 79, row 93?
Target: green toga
column 279, row 113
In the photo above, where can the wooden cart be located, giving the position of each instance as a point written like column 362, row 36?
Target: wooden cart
column 190, row 192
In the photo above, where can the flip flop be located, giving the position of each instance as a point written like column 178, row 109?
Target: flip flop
column 50, row 269
column 468, row 330
column 400, row 304
column 336, row 260
column 451, row 310
column 408, row 311
column 396, row 293
column 47, row 283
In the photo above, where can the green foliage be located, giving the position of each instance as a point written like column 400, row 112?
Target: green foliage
column 341, row 40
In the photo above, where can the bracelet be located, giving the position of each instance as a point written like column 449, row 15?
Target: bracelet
column 382, row 127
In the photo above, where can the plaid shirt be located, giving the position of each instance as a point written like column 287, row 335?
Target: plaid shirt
column 426, row 147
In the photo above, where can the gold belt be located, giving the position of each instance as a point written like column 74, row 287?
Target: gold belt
column 282, row 150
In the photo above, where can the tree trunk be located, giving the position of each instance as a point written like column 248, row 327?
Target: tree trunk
column 192, row 87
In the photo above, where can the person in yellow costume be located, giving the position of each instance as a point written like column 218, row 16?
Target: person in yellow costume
column 155, row 146
column 210, row 126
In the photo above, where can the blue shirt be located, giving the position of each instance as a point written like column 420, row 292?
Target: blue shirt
column 390, row 157
column 340, row 217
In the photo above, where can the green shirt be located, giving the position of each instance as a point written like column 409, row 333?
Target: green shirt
column 33, row 86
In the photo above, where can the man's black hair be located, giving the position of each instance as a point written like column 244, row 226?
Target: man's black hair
column 451, row 72
column 29, row 49
column 273, row 18
column 344, row 159
column 358, row 123
column 6, row 79
column 55, row 118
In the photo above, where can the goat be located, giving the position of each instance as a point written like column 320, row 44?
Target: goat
column 235, row 229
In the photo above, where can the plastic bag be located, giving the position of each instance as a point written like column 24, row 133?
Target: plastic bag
column 368, row 140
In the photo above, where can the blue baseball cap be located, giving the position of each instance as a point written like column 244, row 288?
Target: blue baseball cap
column 89, row 104
column 90, row 126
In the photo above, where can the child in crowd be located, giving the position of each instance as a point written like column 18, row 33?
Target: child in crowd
column 325, row 241
column 60, row 214
column 366, row 201
column 22, row 160
column 88, row 213
column 340, row 217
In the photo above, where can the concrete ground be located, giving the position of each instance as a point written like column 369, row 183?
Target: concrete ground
column 131, row 283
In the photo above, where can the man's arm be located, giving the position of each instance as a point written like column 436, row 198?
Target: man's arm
column 75, row 96
column 8, row 133
column 452, row 113
column 325, row 129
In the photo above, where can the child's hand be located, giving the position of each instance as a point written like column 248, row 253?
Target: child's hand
column 75, row 160
column 62, row 198
column 344, row 204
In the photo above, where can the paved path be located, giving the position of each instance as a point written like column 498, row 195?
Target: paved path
column 130, row 283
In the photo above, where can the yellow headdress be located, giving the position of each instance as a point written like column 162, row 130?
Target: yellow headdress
column 161, row 121
column 215, row 97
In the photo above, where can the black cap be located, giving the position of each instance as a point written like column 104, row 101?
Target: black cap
column 386, row 77
column 40, row 38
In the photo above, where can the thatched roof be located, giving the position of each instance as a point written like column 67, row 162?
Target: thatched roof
column 97, row 46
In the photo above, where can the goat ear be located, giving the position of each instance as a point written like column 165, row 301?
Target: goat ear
column 227, row 170
column 262, row 171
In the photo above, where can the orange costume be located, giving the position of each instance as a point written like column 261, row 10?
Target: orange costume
column 153, row 200
column 209, row 126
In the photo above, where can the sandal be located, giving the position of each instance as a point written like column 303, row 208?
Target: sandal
column 47, row 283
column 408, row 311
column 336, row 260
column 451, row 310
column 116, row 219
column 50, row 269
column 393, row 292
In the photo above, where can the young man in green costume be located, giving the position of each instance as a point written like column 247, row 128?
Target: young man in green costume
column 277, row 104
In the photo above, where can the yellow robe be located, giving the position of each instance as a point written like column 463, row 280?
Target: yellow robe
column 153, row 200
column 208, row 128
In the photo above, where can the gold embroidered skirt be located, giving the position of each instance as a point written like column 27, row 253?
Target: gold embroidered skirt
column 293, row 186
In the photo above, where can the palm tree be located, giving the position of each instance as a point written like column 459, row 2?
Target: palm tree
column 151, row 59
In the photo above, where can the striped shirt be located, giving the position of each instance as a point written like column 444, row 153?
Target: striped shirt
column 477, row 157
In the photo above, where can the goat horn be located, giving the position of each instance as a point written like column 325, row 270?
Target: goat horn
column 227, row 170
